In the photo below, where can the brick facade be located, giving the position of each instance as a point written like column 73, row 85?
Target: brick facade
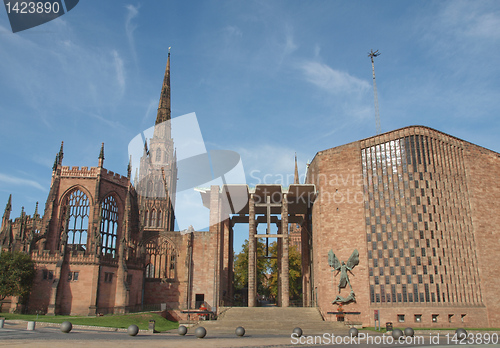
column 419, row 206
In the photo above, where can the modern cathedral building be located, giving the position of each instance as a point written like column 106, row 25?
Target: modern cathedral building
column 405, row 223
column 421, row 207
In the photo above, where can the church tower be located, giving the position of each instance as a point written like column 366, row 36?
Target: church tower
column 158, row 171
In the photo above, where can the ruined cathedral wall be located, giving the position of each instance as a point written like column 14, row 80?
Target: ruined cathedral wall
column 74, row 296
column 171, row 290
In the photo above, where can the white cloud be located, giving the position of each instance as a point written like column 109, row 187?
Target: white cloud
column 267, row 163
column 120, row 71
column 331, row 80
column 132, row 12
column 290, row 45
column 13, row 180
column 473, row 19
column 232, row 31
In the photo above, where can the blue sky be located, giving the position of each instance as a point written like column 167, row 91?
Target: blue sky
column 265, row 78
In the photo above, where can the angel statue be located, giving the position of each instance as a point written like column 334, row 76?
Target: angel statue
column 343, row 268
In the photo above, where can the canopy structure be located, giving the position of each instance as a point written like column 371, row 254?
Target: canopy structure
column 263, row 204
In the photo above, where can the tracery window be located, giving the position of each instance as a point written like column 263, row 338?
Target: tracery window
column 161, row 259
column 158, row 221
column 150, row 270
column 78, row 224
column 109, row 226
column 152, row 218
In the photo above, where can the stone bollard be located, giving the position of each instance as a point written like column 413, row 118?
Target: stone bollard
column 461, row 333
column 182, row 330
column 240, row 331
column 151, row 327
column 66, row 326
column 397, row 333
column 409, row 332
column 200, row 332
column 2, row 322
column 133, row 330
column 297, row 331
column 31, row 326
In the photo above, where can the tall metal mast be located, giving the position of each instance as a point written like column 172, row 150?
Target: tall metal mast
column 375, row 96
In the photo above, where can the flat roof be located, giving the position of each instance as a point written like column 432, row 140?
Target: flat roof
column 235, row 197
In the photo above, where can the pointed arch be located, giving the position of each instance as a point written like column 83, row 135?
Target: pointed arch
column 159, row 221
column 77, row 205
column 161, row 258
column 109, row 226
column 152, row 218
column 146, row 218
column 150, row 270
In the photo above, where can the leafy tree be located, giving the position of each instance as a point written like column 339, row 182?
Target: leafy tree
column 294, row 268
column 17, row 272
column 241, row 269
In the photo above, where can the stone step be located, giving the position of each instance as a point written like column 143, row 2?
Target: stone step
column 272, row 319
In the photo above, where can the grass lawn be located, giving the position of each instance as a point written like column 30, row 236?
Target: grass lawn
column 118, row 321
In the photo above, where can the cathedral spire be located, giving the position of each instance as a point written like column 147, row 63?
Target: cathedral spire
column 129, row 168
column 60, row 154
column 8, row 207
column 101, row 156
column 296, row 174
column 36, row 210
column 163, row 113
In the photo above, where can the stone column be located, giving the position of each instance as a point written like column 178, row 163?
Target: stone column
column 252, row 282
column 285, row 291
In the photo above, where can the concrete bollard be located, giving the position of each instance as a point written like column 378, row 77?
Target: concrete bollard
column 31, row 326
column 2, row 322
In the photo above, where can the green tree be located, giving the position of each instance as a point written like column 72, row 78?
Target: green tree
column 17, row 272
column 241, row 269
column 295, row 271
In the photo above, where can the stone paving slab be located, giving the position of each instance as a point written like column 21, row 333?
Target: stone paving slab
column 15, row 334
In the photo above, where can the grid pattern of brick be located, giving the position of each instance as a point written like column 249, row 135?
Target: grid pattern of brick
column 420, row 241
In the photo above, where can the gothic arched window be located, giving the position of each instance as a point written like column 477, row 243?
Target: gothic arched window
column 158, row 155
column 152, row 218
column 159, row 222
column 109, row 226
column 78, row 224
column 150, row 270
column 161, row 259
column 146, row 218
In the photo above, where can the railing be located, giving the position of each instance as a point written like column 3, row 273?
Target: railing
column 296, row 303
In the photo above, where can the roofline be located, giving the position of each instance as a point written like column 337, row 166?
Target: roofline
column 403, row 128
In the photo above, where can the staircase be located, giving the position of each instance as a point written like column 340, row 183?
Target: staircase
column 272, row 320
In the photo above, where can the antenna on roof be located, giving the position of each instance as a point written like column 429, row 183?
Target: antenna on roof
column 377, row 114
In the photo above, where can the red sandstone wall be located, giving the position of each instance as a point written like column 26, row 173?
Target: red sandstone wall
column 75, row 296
column 135, row 295
column 483, row 171
column 40, row 294
column 338, row 224
column 107, row 290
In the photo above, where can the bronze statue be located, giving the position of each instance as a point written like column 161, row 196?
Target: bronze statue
column 343, row 268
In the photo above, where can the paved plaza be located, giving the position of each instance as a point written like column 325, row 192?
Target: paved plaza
column 15, row 334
